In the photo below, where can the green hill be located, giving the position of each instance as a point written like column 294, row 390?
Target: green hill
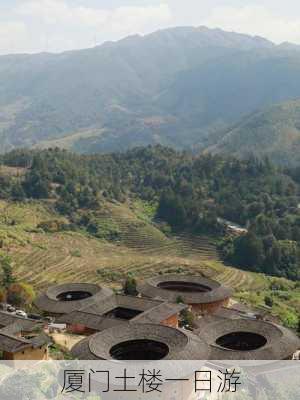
column 273, row 132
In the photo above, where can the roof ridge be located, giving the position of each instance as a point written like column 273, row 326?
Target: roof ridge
column 19, row 339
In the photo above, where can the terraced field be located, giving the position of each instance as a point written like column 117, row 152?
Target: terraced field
column 46, row 258
column 146, row 238
column 71, row 257
column 241, row 280
column 43, row 258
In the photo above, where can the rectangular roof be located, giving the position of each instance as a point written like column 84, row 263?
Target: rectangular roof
column 25, row 324
column 40, row 340
column 93, row 317
column 160, row 313
column 223, row 314
column 88, row 319
column 12, row 344
column 118, row 300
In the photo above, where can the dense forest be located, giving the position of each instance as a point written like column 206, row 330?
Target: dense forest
column 189, row 192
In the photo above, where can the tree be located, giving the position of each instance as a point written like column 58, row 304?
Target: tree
column 269, row 301
column 7, row 277
column 36, row 185
column 130, row 286
column 171, row 209
column 249, row 251
column 2, row 295
column 20, row 294
column 273, row 258
column 17, row 192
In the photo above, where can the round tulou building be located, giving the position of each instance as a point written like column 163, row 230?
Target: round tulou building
column 141, row 342
column 63, row 299
column 245, row 339
column 203, row 295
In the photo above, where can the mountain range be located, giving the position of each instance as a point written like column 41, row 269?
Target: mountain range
column 193, row 88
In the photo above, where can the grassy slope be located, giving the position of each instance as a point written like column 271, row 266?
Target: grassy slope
column 43, row 258
column 68, row 141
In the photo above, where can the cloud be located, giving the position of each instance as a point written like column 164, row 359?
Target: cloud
column 56, row 25
column 138, row 19
column 13, row 36
column 54, row 12
column 121, row 19
column 256, row 20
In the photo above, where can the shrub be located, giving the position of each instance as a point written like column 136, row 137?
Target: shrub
column 268, row 301
column 179, row 300
column 130, row 286
column 75, row 253
column 51, row 226
column 187, row 318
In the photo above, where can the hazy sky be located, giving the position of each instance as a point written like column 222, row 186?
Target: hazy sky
column 57, row 25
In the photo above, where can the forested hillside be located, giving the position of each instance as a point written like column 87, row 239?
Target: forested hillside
column 273, row 132
column 180, row 87
column 181, row 191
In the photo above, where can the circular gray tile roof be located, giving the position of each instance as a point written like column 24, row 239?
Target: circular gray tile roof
column 182, row 345
column 216, row 292
column 49, row 301
column 280, row 344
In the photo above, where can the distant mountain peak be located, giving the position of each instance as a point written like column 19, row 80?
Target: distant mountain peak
column 289, row 46
column 211, row 36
